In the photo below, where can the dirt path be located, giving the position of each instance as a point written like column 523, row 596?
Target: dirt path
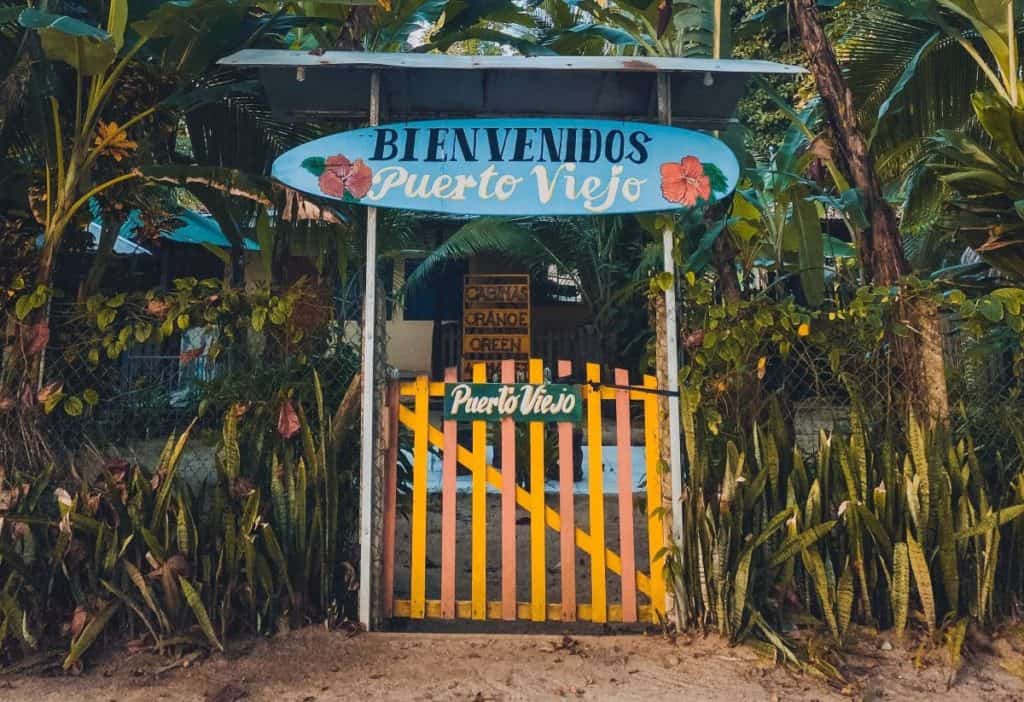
column 313, row 665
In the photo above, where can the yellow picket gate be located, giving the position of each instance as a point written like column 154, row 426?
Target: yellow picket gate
column 642, row 589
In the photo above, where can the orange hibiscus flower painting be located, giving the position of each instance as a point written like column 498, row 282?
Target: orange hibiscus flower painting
column 336, row 176
column 685, row 182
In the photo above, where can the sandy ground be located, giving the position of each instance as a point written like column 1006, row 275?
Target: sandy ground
column 311, row 664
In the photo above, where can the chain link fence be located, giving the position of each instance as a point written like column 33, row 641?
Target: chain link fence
column 811, row 392
column 157, row 388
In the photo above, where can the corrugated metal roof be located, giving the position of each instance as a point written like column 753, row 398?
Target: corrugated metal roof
column 194, row 228
column 367, row 59
column 336, row 85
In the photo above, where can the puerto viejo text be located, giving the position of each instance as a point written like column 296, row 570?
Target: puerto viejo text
column 548, row 402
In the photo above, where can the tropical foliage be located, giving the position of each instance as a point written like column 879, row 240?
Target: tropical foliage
column 185, row 558
column 887, row 519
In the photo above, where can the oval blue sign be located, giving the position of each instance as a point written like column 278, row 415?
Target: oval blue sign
column 515, row 167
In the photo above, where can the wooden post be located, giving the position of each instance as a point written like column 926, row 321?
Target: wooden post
column 667, row 359
column 367, row 436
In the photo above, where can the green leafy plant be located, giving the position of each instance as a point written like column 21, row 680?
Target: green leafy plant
column 191, row 559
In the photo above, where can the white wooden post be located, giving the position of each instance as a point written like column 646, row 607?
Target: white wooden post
column 672, row 341
column 367, row 438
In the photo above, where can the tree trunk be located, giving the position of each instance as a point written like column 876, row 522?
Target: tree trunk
column 104, row 254
column 880, row 247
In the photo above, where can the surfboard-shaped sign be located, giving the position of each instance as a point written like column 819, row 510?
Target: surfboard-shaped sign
column 515, row 167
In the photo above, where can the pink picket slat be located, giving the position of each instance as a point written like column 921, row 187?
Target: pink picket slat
column 448, row 501
column 508, row 505
column 566, row 510
column 390, row 501
column 627, row 547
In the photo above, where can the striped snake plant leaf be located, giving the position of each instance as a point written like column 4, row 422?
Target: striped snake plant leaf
column 794, row 544
column 847, row 470
column 948, row 563
column 844, row 599
column 816, row 569
column 799, row 470
column 812, row 509
column 168, row 468
column 917, row 444
column 147, row 595
column 182, row 528
column 739, row 593
column 132, row 605
column 720, row 565
column 923, row 471
column 742, row 577
column 153, row 544
column 774, row 638
column 912, row 493
column 250, row 513
column 858, row 451
column 308, row 448
column 900, row 587
column 301, row 499
column 955, row 637
column 277, row 492
column 755, row 489
column 230, row 455
column 689, row 399
column 990, row 558
column 874, row 527
column 277, row 556
column 230, row 544
column 991, row 521
column 90, row 633
column 196, row 603
column 165, row 453
column 922, row 580
column 249, row 557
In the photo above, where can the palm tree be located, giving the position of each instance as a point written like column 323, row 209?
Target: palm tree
column 918, row 96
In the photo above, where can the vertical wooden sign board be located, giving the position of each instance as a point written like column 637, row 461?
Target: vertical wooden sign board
column 495, row 322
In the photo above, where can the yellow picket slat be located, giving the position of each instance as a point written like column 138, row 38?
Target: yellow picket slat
column 418, row 550
column 655, row 522
column 553, row 520
column 479, row 510
column 538, row 567
column 598, row 586
column 463, row 610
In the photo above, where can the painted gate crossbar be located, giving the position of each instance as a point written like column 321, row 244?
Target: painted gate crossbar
column 622, row 563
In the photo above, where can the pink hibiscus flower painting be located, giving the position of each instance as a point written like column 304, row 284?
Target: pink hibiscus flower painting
column 685, row 182
column 338, row 176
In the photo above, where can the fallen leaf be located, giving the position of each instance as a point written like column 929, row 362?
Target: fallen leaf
column 287, row 420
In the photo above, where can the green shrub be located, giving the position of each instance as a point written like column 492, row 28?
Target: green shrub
column 185, row 562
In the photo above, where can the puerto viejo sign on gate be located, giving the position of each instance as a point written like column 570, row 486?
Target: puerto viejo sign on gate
column 515, row 167
column 520, row 402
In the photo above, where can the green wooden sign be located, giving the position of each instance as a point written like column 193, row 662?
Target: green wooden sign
column 521, row 402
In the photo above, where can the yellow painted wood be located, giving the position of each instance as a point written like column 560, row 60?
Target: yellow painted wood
column 408, row 389
column 418, row 527
column 595, row 481
column 463, row 610
column 655, row 522
column 479, row 509
column 583, row 540
column 538, row 566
